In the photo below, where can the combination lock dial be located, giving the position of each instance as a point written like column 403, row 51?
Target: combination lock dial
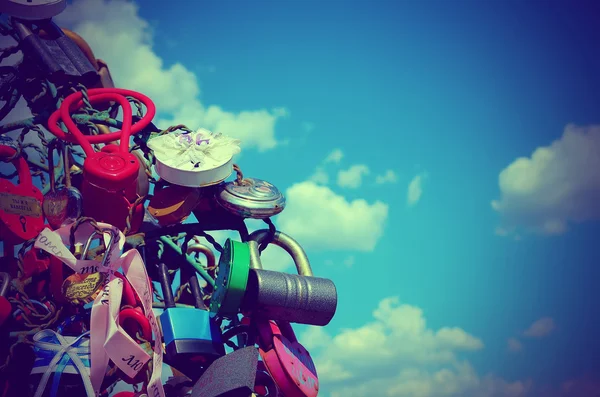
column 253, row 198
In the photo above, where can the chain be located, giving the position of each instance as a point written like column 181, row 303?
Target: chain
column 270, row 235
column 239, row 178
column 218, row 247
column 76, row 225
column 132, row 209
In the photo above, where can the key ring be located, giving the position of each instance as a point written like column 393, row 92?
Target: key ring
column 75, row 101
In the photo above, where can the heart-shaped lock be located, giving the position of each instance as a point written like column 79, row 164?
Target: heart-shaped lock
column 55, row 201
column 288, row 362
column 21, row 217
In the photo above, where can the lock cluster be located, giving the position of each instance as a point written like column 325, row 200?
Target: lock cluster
column 110, row 275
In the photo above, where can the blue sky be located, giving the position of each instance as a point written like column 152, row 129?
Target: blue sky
column 391, row 127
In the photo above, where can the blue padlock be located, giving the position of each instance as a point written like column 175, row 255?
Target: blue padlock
column 192, row 339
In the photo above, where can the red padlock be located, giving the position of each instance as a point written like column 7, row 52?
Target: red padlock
column 288, row 362
column 109, row 187
column 21, row 216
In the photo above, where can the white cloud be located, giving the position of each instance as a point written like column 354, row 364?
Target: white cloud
column 388, row 177
column 118, row 35
column 559, row 184
column 320, row 219
column 398, row 355
column 514, row 345
column 540, row 328
column 352, row 177
column 335, row 156
column 415, row 189
column 320, row 176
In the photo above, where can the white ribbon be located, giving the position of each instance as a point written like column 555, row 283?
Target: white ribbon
column 108, row 341
column 64, row 347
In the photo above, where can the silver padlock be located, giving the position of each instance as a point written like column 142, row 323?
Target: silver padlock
column 295, row 298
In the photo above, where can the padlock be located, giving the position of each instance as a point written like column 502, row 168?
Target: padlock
column 61, row 206
column 87, row 71
column 55, row 202
column 21, row 217
column 251, row 198
column 56, row 54
column 82, row 288
column 232, row 279
column 5, row 306
column 192, row 339
column 287, row 361
column 172, row 204
column 232, row 375
column 109, row 186
column 78, row 40
column 279, row 296
column 51, row 60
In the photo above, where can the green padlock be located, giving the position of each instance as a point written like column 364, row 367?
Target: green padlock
column 230, row 285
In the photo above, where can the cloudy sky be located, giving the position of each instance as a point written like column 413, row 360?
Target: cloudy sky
column 441, row 162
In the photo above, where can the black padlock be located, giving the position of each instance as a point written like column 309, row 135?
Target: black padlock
column 87, row 73
column 230, row 376
column 192, row 339
column 59, row 57
column 51, row 59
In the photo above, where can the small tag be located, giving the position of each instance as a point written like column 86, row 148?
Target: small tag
column 20, row 205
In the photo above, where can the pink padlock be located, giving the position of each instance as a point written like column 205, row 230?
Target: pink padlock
column 288, row 362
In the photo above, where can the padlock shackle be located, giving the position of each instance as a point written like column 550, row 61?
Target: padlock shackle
column 20, row 164
column 206, row 251
column 66, row 152
column 165, row 284
column 193, row 279
column 95, row 95
column 86, row 247
column 287, row 331
column 196, row 292
column 291, row 246
column 4, row 283
column 51, row 173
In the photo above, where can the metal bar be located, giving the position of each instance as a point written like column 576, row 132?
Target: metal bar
column 190, row 259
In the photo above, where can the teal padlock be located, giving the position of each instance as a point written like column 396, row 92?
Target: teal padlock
column 232, row 279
